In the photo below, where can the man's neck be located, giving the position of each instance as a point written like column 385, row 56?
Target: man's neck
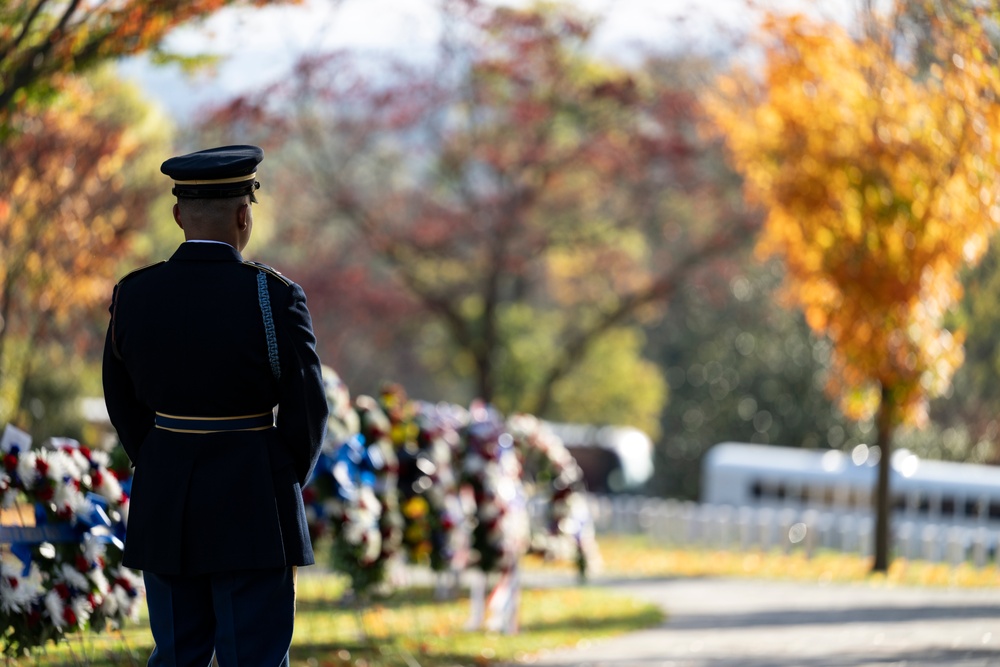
column 209, row 241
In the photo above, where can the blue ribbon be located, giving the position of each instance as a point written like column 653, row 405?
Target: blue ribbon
column 92, row 523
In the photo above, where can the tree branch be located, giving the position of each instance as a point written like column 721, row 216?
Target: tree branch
column 573, row 351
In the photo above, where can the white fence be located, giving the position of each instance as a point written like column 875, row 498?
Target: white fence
column 678, row 523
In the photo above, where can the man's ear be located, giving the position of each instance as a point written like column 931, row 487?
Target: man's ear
column 241, row 216
column 177, row 216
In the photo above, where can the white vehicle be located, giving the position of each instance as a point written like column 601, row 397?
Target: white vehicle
column 923, row 491
column 614, row 459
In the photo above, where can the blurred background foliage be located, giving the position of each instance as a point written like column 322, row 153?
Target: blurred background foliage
column 516, row 218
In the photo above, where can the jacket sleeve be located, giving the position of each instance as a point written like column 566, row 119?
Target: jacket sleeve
column 302, row 406
column 130, row 417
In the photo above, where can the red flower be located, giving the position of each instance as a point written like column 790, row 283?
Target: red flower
column 62, row 590
column 41, row 466
column 123, row 582
column 96, row 479
column 45, row 492
column 69, row 615
column 85, row 451
column 13, row 582
column 10, row 462
column 81, row 563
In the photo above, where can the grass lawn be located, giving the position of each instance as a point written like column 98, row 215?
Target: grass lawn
column 407, row 628
column 636, row 556
column 411, row 628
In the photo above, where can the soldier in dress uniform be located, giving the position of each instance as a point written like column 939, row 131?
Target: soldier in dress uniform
column 200, row 350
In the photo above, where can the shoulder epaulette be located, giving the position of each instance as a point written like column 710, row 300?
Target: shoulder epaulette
column 140, row 270
column 269, row 270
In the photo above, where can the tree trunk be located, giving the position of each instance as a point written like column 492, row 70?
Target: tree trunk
column 883, row 507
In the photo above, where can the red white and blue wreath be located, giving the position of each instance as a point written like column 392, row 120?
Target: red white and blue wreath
column 64, row 514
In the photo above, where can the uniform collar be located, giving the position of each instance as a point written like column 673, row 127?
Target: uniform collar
column 207, row 252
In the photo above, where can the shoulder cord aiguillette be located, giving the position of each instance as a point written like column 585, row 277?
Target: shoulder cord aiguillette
column 264, row 297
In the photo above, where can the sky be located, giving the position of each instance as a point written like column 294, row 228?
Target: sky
column 257, row 46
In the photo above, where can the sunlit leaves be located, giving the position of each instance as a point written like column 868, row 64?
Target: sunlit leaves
column 879, row 181
column 41, row 41
column 74, row 183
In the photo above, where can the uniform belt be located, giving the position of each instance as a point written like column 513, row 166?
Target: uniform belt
column 258, row 422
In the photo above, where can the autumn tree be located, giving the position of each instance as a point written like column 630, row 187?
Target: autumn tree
column 75, row 184
column 878, row 174
column 67, row 200
column 517, row 189
column 43, row 41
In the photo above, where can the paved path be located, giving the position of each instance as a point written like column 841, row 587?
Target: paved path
column 736, row 623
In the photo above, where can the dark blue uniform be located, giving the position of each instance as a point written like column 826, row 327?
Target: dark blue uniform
column 191, row 377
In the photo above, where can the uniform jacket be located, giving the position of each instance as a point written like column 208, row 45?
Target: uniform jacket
column 187, row 338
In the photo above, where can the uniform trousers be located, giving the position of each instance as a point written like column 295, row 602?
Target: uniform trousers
column 244, row 618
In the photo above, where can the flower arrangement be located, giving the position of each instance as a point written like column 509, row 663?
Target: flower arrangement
column 375, row 433
column 490, row 467
column 555, row 481
column 353, row 491
column 355, row 515
column 447, row 486
column 64, row 513
column 425, row 439
column 436, row 504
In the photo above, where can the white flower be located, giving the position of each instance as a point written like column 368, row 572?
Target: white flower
column 80, row 463
column 17, row 593
column 128, row 605
column 54, row 605
column 67, row 495
column 93, row 549
column 57, row 462
column 373, row 547
column 367, row 500
column 100, row 457
column 354, row 528
column 134, row 579
column 75, row 578
column 489, row 511
column 83, row 609
column 111, row 603
column 26, row 469
column 109, row 487
column 96, row 575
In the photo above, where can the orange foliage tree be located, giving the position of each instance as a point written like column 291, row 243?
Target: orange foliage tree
column 878, row 172
column 74, row 185
column 43, row 40
column 66, row 197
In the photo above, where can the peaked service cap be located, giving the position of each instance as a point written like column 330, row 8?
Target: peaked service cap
column 214, row 173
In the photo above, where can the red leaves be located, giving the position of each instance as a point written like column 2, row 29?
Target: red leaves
column 516, row 174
